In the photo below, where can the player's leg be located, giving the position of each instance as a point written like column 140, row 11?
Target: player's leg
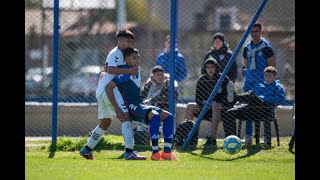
column 147, row 115
column 127, row 130
column 168, row 131
column 216, row 118
column 104, row 114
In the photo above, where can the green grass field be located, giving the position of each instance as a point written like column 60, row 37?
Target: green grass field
column 62, row 161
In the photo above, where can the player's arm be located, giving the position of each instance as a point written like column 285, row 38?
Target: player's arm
column 110, row 94
column 116, row 70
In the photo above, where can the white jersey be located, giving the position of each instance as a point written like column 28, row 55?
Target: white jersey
column 114, row 58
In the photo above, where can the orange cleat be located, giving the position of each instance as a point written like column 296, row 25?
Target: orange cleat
column 169, row 156
column 156, row 157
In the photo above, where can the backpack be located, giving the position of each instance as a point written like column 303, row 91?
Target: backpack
column 182, row 133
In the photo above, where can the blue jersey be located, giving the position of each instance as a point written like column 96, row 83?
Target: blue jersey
column 260, row 52
column 180, row 66
column 129, row 86
column 272, row 94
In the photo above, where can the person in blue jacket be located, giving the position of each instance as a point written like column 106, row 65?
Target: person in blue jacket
column 163, row 60
column 260, row 102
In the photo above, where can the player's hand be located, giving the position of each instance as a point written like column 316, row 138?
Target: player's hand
column 119, row 113
column 133, row 70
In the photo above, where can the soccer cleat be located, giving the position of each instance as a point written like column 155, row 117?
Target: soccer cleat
column 86, row 154
column 170, row 156
column 230, row 90
column 156, row 157
column 133, row 156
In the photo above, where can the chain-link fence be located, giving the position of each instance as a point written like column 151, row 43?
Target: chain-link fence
column 87, row 33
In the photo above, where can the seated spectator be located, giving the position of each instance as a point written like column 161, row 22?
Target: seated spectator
column 223, row 100
column 260, row 102
column 156, row 90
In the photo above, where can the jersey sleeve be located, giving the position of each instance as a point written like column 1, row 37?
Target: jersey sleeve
column 115, row 59
column 268, row 52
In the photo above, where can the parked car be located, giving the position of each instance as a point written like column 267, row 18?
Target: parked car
column 82, row 83
column 38, row 82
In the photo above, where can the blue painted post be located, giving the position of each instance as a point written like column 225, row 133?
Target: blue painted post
column 55, row 70
column 173, row 33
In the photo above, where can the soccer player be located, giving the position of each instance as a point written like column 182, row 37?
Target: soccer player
column 105, row 110
column 129, row 86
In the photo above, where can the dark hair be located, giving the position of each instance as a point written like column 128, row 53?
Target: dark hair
column 125, row 33
column 258, row 25
column 157, row 68
column 129, row 51
column 271, row 69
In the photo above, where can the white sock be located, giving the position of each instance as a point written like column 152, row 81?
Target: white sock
column 127, row 134
column 95, row 137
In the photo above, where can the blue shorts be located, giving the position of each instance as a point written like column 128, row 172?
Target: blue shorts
column 139, row 112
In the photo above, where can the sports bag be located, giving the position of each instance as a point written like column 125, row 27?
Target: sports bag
column 182, row 133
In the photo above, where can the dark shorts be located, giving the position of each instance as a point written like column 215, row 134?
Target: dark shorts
column 139, row 112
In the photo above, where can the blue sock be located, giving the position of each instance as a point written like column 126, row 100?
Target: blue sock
column 168, row 129
column 154, row 132
column 249, row 124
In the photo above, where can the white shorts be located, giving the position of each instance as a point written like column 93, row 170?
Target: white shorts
column 105, row 108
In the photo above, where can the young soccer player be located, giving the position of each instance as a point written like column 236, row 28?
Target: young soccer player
column 105, row 110
column 129, row 86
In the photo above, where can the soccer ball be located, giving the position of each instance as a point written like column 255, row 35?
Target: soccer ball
column 232, row 144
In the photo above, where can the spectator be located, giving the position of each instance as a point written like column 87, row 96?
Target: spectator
column 261, row 101
column 222, row 53
column 257, row 55
column 223, row 99
column 180, row 66
column 156, row 90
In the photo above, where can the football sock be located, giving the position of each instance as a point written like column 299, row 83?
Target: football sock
column 154, row 132
column 129, row 150
column 168, row 129
column 95, row 137
column 88, row 148
column 127, row 134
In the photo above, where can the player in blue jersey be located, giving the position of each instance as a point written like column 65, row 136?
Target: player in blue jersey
column 129, row 86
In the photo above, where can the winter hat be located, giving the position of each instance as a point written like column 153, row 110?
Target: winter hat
column 219, row 36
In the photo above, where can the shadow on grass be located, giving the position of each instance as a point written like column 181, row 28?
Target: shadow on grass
column 251, row 150
column 52, row 149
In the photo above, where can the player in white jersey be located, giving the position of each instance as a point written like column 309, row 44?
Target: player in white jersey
column 105, row 109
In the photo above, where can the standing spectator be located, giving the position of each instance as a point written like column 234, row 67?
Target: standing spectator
column 257, row 55
column 222, row 53
column 223, row 100
column 180, row 66
column 156, row 90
